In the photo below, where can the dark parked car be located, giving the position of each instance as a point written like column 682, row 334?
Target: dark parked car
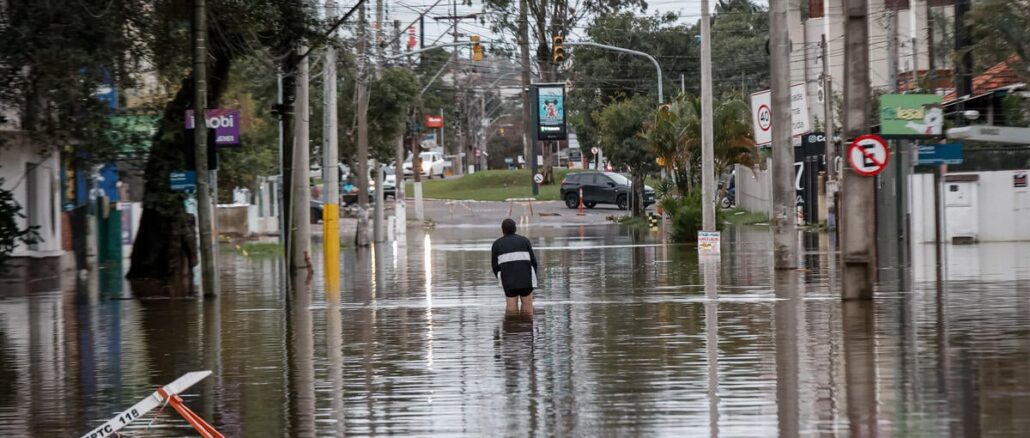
column 600, row 188
column 316, row 211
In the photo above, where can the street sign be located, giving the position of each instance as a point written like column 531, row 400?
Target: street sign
column 594, row 150
column 538, row 178
column 761, row 114
column 868, row 155
column 182, row 181
column 434, row 121
column 935, row 154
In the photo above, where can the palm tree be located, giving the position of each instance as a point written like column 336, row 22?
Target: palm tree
column 733, row 142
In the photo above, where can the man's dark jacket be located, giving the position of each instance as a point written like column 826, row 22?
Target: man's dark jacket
column 513, row 262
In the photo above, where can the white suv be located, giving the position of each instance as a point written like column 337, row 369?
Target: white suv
column 432, row 165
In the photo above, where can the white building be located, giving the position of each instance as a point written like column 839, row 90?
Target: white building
column 806, row 39
column 34, row 178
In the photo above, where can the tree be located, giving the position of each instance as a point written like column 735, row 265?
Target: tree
column 53, row 60
column 1001, row 29
column 10, row 232
column 619, row 125
column 163, row 249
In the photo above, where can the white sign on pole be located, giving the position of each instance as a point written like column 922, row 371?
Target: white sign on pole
column 761, row 114
column 708, row 242
column 146, row 405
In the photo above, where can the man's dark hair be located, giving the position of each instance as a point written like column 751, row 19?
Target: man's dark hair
column 508, row 226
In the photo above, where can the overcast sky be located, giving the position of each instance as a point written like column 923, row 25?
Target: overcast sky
column 408, row 10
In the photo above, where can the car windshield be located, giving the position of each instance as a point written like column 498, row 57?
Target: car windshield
column 618, row 178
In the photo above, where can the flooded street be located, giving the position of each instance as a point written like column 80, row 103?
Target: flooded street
column 630, row 338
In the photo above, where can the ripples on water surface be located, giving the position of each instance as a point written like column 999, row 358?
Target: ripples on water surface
column 415, row 342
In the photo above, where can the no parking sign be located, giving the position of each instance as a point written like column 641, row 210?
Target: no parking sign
column 868, row 155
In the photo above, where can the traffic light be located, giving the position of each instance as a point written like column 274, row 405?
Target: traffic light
column 558, row 49
column 477, row 50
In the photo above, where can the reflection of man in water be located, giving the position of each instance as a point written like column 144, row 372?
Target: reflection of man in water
column 514, row 265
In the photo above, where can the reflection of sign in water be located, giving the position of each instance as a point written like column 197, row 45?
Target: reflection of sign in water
column 551, row 112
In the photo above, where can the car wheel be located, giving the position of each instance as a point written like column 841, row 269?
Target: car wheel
column 622, row 202
column 571, row 201
column 590, row 204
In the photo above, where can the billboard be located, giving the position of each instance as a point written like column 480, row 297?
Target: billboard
column 225, row 122
column 911, row 115
column 550, row 117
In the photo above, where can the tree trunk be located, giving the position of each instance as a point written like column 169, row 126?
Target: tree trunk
column 637, row 197
column 165, row 247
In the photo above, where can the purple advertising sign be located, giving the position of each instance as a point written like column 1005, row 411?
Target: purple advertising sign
column 226, row 123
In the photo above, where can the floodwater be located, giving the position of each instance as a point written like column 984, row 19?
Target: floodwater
column 629, row 338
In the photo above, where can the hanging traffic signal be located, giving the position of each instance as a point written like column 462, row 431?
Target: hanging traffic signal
column 558, row 49
column 477, row 49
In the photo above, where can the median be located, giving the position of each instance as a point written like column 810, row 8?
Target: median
column 490, row 185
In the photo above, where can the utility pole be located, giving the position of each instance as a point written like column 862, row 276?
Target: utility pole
column 416, row 165
column 482, row 131
column 523, row 40
column 300, row 249
column 858, row 221
column 831, row 147
column 362, row 116
column 785, row 239
column 204, row 213
column 330, row 166
column 400, row 213
column 707, row 132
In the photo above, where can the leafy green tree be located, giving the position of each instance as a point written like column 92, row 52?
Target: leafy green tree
column 1001, row 30
column 619, row 125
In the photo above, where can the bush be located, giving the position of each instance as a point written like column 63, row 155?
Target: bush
column 685, row 216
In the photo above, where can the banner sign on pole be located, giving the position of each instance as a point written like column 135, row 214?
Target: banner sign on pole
column 182, row 181
column 911, row 115
column 550, row 104
column 761, row 114
column 225, row 122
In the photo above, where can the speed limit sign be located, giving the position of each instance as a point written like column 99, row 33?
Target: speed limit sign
column 868, row 155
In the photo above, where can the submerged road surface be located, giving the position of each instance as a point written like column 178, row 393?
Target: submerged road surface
column 630, row 338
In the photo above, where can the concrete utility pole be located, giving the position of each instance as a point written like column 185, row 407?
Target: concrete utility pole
column 362, row 116
column 400, row 212
column 784, row 220
column 831, row 147
column 416, row 166
column 858, row 236
column 379, row 232
column 330, row 166
column 209, row 281
column 523, row 40
column 707, row 131
column 300, row 228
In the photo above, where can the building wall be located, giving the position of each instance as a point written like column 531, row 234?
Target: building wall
column 1002, row 211
column 27, row 172
column 754, row 189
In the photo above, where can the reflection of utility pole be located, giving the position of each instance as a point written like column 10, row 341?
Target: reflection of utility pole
column 831, row 146
column 784, row 220
column 858, row 220
column 204, row 213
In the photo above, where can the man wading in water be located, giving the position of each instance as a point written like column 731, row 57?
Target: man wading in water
column 515, row 267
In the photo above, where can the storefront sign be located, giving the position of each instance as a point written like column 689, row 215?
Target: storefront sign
column 225, row 122
column 911, row 115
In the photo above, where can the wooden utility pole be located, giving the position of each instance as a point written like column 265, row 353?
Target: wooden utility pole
column 858, row 220
column 209, row 282
column 707, row 130
column 784, row 220
column 330, row 165
column 362, row 155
